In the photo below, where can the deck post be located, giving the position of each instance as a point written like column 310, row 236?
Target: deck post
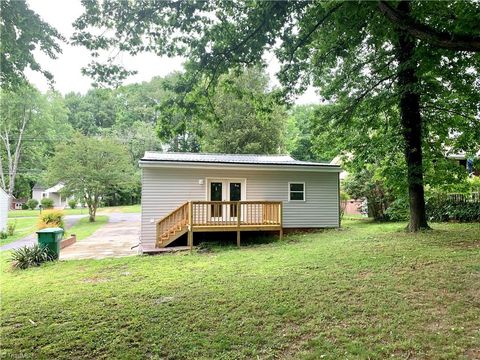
column 239, row 217
column 190, row 225
column 280, row 218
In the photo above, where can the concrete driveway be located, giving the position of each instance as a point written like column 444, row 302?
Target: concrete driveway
column 115, row 239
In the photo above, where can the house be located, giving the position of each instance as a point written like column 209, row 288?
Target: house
column 3, row 209
column 191, row 192
column 466, row 162
column 17, row 204
column 39, row 192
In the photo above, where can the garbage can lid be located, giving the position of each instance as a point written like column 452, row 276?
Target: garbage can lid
column 50, row 230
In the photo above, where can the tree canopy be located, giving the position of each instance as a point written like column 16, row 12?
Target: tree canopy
column 414, row 59
column 22, row 31
column 90, row 168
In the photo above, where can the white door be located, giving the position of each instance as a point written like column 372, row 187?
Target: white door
column 225, row 190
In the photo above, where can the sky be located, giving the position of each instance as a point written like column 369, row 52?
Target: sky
column 67, row 68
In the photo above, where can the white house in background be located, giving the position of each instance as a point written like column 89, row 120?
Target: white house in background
column 3, row 209
column 39, row 192
column 190, row 192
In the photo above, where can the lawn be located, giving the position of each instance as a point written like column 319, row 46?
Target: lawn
column 24, row 227
column 77, row 211
column 84, row 228
column 366, row 291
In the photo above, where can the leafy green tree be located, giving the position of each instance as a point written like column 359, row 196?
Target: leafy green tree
column 180, row 116
column 92, row 112
column 140, row 102
column 299, row 134
column 21, row 32
column 136, row 138
column 368, row 185
column 31, row 124
column 418, row 57
column 245, row 117
column 90, row 168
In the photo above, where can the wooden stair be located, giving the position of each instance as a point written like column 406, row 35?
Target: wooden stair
column 172, row 226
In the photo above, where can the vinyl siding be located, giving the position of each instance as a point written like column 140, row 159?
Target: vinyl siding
column 4, row 203
column 164, row 189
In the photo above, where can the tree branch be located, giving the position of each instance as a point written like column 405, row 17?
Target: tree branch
column 441, row 39
column 448, row 111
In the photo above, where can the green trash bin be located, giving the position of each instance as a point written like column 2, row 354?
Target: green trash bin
column 51, row 238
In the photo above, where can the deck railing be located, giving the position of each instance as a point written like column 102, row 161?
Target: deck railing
column 177, row 218
column 198, row 216
column 236, row 213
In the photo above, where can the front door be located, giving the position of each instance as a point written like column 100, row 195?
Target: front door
column 235, row 190
column 216, row 194
column 225, row 190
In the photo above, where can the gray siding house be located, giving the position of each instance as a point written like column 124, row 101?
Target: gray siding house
column 187, row 192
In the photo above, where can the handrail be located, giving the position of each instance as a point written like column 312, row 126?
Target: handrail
column 236, row 213
column 172, row 222
column 166, row 216
column 217, row 216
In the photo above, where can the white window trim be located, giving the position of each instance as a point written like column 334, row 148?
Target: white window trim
column 304, row 191
column 243, row 181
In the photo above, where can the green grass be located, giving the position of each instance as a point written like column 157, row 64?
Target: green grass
column 23, row 228
column 35, row 213
column 368, row 291
column 83, row 228
column 77, row 211
column 123, row 209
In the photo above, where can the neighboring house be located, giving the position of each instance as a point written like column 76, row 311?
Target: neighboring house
column 3, row 210
column 191, row 192
column 39, row 192
column 17, row 204
column 337, row 160
column 466, row 162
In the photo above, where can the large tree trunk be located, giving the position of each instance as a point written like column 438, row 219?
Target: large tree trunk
column 411, row 121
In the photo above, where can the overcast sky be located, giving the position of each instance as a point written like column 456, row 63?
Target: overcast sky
column 66, row 69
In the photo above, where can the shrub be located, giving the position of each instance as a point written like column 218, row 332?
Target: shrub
column 26, row 257
column 51, row 218
column 32, row 204
column 344, row 197
column 11, row 228
column 24, row 207
column 72, row 203
column 47, row 203
column 398, row 210
column 3, row 235
column 445, row 209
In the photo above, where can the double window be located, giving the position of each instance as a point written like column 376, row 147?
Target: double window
column 296, row 191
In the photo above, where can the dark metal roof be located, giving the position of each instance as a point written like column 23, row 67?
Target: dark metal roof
column 229, row 159
column 38, row 186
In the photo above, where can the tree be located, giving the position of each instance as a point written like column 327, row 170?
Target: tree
column 90, row 168
column 411, row 55
column 300, row 136
column 92, row 112
column 244, row 117
column 31, row 122
column 22, row 32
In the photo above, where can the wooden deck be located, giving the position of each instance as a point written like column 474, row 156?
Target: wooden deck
column 206, row 216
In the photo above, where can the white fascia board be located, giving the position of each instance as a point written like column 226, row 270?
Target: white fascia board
column 196, row 165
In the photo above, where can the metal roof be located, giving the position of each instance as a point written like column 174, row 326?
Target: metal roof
column 38, row 186
column 251, row 159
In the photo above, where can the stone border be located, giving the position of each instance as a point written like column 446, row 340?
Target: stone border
column 67, row 242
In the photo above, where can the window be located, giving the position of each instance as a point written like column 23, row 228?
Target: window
column 296, row 191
